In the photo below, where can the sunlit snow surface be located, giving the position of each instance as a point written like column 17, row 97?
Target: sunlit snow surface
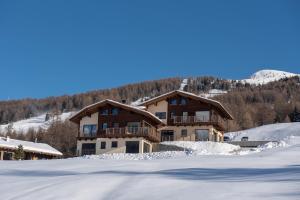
column 266, row 76
column 205, row 170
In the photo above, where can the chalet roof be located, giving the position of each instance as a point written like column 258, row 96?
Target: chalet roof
column 93, row 108
column 33, row 147
column 190, row 95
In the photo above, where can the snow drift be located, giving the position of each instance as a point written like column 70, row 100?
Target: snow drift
column 272, row 132
column 206, row 148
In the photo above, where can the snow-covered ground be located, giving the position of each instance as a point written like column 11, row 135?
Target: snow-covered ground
column 33, row 123
column 266, row 76
column 205, row 170
column 272, row 174
column 273, row 132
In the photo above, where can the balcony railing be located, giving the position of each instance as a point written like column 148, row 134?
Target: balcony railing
column 130, row 130
column 91, row 135
column 193, row 120
column 147, row 132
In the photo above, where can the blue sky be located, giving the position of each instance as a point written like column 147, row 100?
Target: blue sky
column 50, row 48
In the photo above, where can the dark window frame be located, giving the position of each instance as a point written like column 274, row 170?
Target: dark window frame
column 114, row 144
column 103, row 145
column 161, row 115
column 104, row 112
column 102, row 125
column 183, row 100
column 184, row 132
column 173, row 101
column 115, row 111
column 92, row 129
column 172, row 114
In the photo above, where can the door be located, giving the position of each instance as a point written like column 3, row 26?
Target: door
column 88, row 149
column 167, row 135
column 132, row 147
column 202, row 135
column 133, row 127
column 185, row 117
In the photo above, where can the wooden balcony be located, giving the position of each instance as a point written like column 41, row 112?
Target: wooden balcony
column 216, row 121
column 148, row 133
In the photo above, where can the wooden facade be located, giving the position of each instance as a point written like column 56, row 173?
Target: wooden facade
column 191, row 106
column 120, row 128
column 117, row 125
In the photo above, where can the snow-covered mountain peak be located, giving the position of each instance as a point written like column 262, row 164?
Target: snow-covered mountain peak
column 266, row 76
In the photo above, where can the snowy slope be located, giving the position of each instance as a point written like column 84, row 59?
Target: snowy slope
column 272, row 132
column 213, row 92
column 183, row 84
column 33, row 123
column 267, row 175
column 266, row 76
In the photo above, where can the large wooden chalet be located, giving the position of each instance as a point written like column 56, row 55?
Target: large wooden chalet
column 112, row 127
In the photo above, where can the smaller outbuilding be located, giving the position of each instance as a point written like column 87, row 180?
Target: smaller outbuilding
column 32, row 150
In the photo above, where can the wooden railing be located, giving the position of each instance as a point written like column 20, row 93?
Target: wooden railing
column 147, row 132
column 89, row 135
column 130, row 130
column 191, row 120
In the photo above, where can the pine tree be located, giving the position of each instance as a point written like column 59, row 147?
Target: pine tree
column 19, row 154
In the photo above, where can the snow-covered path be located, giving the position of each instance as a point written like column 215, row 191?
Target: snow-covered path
column 272, row 174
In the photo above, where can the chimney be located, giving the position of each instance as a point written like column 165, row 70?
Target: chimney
column 124, row 101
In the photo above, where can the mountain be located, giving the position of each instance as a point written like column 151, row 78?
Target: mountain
column 267, row 76
column 270, row 91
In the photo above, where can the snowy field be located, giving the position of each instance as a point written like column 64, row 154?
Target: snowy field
column 205, row 170
column 270, row 174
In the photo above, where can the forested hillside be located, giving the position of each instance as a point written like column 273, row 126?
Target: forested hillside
column 11, row 111
column 251, row 105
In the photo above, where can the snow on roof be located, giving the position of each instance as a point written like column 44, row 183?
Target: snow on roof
column 134, row 108
column 189, row 94
column 29, row 146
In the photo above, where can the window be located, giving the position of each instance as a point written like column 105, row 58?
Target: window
column 104, row 112
column 184, row 133
column 183, row 101
column 172, row 114
column 103, row 145
column 104, row 126
column 88, row 149
column 173, row 101
column 133, row 127
column 202, row 135
column 167, row 135
column 90, row 130
column 116, row 125
column 115, row 111
column 161, row 115
column 202, row 116
column 114, row 144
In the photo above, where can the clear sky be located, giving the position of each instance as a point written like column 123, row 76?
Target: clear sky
column 50, row 48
